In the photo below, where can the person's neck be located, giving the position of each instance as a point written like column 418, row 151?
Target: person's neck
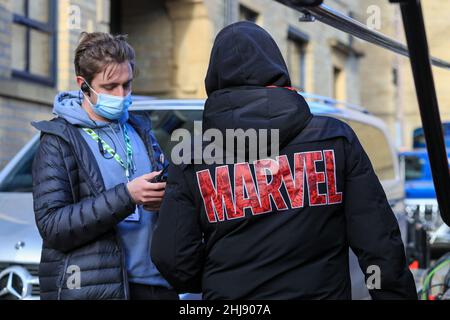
column 92, row 115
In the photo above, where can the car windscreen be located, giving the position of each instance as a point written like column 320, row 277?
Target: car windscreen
column 414, row 167
column 164, row 122
column 19, row 178
column 417, row 167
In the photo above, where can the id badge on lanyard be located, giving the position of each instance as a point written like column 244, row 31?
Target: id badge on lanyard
column 135, row 216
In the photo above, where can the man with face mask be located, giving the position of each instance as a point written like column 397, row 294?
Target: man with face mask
column 94, row 203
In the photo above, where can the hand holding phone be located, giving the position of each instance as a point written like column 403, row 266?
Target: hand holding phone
column 162, row 177
column 146, row 193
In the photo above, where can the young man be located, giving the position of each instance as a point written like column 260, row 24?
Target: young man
column 277, row 228
column 94, row 203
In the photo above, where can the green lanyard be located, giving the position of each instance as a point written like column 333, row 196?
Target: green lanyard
column 112, row 152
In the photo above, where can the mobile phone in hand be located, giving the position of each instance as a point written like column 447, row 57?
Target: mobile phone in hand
column 162, row 177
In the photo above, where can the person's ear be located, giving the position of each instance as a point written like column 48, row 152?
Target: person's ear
column 83, row 86
column 85, row 89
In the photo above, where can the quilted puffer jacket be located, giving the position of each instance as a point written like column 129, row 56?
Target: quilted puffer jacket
column 77, row 217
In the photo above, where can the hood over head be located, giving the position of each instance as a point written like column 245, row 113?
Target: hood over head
column 244, row 54
column 245, row 61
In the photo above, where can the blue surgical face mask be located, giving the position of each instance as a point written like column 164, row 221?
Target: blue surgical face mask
column 109, row 106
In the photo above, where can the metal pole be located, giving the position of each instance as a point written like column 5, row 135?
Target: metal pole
column 414, row 26
column 416, row 38
column 349, row 25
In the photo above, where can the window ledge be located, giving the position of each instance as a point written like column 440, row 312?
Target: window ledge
column 26, row 91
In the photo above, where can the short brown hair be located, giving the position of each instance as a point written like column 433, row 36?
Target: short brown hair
column 97, row 50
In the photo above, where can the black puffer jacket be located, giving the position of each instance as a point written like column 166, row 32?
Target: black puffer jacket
column 77, row 217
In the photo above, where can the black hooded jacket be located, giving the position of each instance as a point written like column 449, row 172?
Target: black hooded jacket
column 275, row 228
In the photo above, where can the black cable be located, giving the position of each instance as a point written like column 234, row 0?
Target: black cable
column 447, row 281
column 437, row 285
column 100, row 145
column 435, row 265
column 429, row 289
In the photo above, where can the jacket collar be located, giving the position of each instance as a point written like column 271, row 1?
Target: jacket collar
column 86, row 160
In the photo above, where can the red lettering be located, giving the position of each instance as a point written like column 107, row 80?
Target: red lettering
column 244, row 184
column 314, row 178
column 264, row 169
column 333, row 195
column 294, row 186
column 221, row 204
column 214, row 199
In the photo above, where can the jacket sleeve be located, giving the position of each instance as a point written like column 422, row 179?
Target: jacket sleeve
column 372, row 229
column 63, row 224
column 177, row 244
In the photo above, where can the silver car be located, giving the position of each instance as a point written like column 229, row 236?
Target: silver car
column 20, row 242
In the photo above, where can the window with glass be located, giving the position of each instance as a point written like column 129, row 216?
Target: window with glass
column 296, row 57
column 33, row 51
column 247, row 14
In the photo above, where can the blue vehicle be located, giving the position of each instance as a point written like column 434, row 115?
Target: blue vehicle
column 419, row 137
column 420, row 195
column 418, row 174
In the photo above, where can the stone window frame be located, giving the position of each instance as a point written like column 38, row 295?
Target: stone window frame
column 300, row 39
column 246, row 7
column 50, row 29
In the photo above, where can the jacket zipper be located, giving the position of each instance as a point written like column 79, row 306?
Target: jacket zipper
column 149, row 147
column 61, row 283
column 118, row 240
column 126, row 287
